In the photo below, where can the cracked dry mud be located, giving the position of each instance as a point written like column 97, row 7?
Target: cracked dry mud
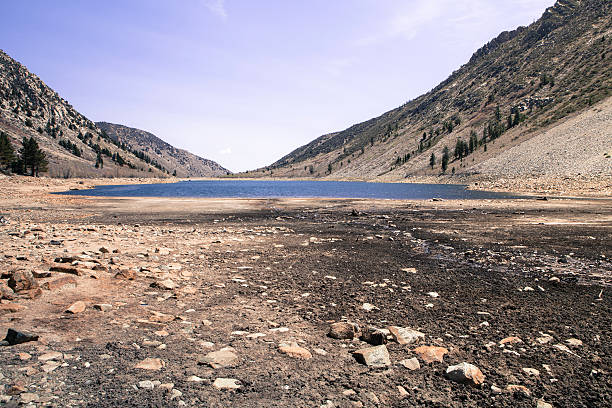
column 520, row 289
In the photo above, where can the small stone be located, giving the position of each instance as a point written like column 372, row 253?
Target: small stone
column 405, row 335
column 368, row 307
column 166, row 284
column 377, row 356
column 146, row 384
column 14, row 337
column 60, row 283
column 518, row 389
column 433, row 294
column 343, row 330
column 373, row 336
column 126, row 274
column 320, row 352
column 411, row 363
column 226, row 384
column 175, row 394
column 402, row 391
column 103, row 307
column 50, row 366
column 430, row 354
column 103, row 250
column 5, row 291
column 150, row 364
column 194, row 378
column 574, row 342
column 6, row 308
column 76, row 307
column 22, row 280
column 66, row 269
column 24, row 356
column 545, row 339
column 226, row 357
column 465, row 373
column 496, row 390
column 531, row 371
column 53, row 355
column 511, row 340
column 295, row 351
column 28, row 397
column 543, row 404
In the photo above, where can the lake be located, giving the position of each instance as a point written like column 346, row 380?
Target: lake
column 291, row 188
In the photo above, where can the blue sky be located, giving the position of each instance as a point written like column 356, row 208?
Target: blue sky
column 244, row 82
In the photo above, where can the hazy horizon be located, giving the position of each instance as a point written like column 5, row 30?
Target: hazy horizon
column 243, row 83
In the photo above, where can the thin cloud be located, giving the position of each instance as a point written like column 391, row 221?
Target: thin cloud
column 217, row 7
column 226, row 151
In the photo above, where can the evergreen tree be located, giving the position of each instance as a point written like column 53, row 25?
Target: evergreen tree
column 7, row 153
column 432, row 160
column 32, row 157
column 445, row 158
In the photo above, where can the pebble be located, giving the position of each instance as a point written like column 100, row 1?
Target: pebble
column 103, row 307
column 146, row 384
column 465, row 373
column 343, row 330
column 531, row 371
column 368, row 307
column 295, row 351
column 518, row 389
column 405, row 335
column 411, row 363
column 226, row 357
column 226, row 384
column 150, row 364
column 76, row 307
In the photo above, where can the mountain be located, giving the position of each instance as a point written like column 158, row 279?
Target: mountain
column 74, row 145
column 528, row 87
column 185, row 164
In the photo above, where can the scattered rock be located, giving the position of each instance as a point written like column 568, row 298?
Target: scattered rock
column 77, row 307
column 166, row 284
column 6, row 308
column 377, row 356
column 60, row 283
column 343, row 330
column 510, row 340
column 373, row 336
column 295, row 351
column 368, row 307
column 543, row 404
column 411, row 363
column 430, row 354
column 66, row 269
column 518, row 389
column 52, row 355
column 150, row 364
column 146, row 384
column 126, row 274
column 531, row 371
column 574, row 342
column 5, row 291
column 405, row 335
column 14, row 337
column 22, row 280
column 226, row 384
column 103, row 307
column 465, row 373
column 226, row 357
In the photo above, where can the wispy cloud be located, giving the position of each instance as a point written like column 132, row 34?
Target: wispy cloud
column 217, row 7
column 226, row 151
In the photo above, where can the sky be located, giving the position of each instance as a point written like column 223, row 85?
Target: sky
column 245, row 82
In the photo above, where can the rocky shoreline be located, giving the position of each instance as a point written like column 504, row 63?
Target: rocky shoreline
column 302, row 302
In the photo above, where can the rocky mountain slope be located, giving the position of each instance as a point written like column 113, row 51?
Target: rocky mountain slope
column 524, row 83
column 184, row 163
column 74, row 145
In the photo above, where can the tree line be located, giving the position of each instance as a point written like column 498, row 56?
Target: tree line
column 30, row 159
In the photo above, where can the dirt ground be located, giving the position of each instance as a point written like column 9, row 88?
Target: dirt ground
column 178, row 279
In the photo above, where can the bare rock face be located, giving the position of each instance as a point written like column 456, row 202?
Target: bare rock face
column 377, row 356
column 465, row 373
column 343, row 330
column 22, row 280
column 405, row 335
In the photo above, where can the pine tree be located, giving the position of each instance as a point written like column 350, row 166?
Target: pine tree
column 7, row 153
column 32, row 158
column 445, row 158
column 432, row 160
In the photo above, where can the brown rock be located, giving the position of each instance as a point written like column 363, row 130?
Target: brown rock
column 166, row 284
column 405, row 335
column 31, row 294
column 377, row 356
column 511, row 340
column 6, row 308
column 76, row 307
column 373, row 336
column 22, row 280
column 411, row 363
column 295, row 351
column 465, row 373
column 226, row 357
column 72, row 270
column 5, row 291
column 343, row 330
column 430, row 354
column 60, row 283
column 518, row 389
column 126, row 274
column 150, row 364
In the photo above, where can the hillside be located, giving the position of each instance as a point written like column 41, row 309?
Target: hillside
column 523, row 84
column 74, row 145
column 185, row 164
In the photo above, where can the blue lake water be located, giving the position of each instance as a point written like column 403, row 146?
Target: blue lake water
column 278, row 189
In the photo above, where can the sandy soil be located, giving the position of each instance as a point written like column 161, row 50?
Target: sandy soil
column 522, row 291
